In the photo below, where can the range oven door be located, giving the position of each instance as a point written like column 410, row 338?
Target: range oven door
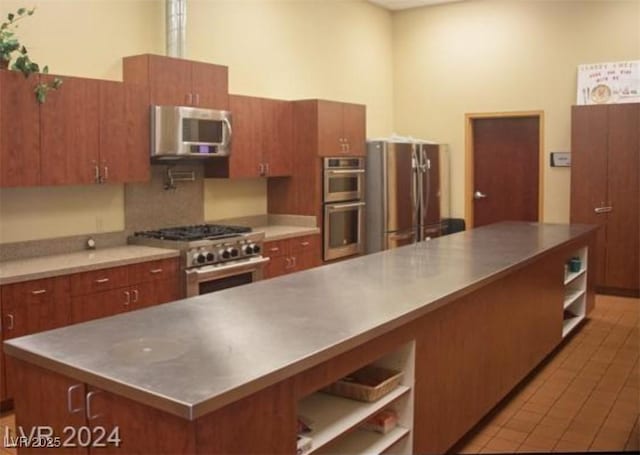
column 211, row 278
column 343, row 229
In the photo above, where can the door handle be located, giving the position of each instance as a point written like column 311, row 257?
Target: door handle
column 155, row 271
column 603, row 209
column 96, row 171
column 38, row 291
column 261, row 168
column 105, row 177
column 102, row 280
column 90, row 415
column 135, row 295
column 10, row 324
column 479, row 195
column 128, row 296
column 70, row 407
column 197, row 99
column 288, row 266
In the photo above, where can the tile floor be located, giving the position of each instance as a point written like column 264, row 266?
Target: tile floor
column 585, row 397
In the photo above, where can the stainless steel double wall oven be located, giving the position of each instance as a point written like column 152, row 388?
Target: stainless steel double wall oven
column 344, row 207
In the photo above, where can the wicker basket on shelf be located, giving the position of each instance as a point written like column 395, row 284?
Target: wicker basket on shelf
column 367, row 384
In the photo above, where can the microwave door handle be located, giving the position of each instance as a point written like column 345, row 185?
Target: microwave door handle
column 228, row 138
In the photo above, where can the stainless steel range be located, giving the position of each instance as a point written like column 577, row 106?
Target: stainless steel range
column 214, row 257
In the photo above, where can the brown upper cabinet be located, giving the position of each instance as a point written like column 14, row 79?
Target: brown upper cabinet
column 178, row 82
column 262, row 139
column 341, row 128
column 89, row 131
column 19, row 130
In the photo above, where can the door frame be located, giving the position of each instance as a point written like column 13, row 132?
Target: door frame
column 469, row 158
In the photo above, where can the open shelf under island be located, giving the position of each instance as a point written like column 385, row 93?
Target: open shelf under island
column 229, row 372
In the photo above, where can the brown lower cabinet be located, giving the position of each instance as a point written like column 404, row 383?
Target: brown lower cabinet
column 39, row 305
column 292, row 255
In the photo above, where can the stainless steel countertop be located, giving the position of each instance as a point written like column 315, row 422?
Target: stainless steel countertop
column 194, row 356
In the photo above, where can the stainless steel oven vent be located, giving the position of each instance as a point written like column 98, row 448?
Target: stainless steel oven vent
column 176, row 27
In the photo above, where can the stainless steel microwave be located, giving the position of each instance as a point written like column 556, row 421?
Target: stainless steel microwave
column 180, row 132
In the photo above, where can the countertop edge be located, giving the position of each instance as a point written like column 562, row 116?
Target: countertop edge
column 68, row 270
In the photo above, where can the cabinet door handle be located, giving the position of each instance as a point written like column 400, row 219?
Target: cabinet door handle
column 305, row 243
column 10, row 320
column 261, row 168
column 197, row 99
column 96, row 170
column 135, row 295
column 189, row 99
column 90, row 414
column 288, row 266
column 275, row 249
column 39, row 291
column 102, row 280
column 70, row 407
column 155, row 271
column 128, row 298
column 293, row 261
column 603, row 209
column 106, row 174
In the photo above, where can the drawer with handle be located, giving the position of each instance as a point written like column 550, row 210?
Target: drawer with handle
column 306, row 243
column 36, row 290
column 153, row 270
column 99, row 280
column 275, row 248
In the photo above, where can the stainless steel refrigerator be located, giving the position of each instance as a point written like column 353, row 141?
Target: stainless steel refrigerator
column 407, row 188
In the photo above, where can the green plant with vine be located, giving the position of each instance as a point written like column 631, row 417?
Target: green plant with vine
column 10, row 46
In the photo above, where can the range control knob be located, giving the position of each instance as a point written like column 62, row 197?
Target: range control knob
column 201, row 258
column 233, row 252
column 249, row 249
column 210, row 257
column 256, row 249
column 226, row 254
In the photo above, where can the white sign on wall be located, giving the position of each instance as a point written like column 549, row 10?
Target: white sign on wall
column 604, row 83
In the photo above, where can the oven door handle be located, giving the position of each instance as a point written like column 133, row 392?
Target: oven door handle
column 346, row 206
column 212, row 271
column 345, row 171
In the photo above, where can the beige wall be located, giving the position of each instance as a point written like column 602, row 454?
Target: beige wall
column 294, row 49
column 276, row 48
column 497, row 56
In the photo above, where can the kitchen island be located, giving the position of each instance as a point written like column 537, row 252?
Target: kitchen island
column 465, row 317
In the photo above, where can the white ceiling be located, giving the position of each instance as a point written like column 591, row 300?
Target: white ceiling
column 405, row 4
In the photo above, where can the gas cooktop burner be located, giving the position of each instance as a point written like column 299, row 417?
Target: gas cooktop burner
column 197, row 232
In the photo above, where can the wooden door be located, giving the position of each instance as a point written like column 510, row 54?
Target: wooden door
column 32, row 307
column 623, row 183
column 277, row 136
column 246, row 146
column 210, row 85
column 589, row 142
column 100, row 305
column 137, row 127
column 113, row 133
column 505, row 169
column 49, row 399
column 19, row 130
column 70, row 132
column 124, row 133
column 141, row 429
column 330, row 129
column 354, row 127
column 170, row 81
